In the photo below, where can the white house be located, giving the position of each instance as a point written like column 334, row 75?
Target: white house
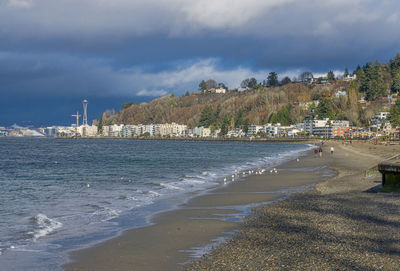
column 341, row 93
column 350, row 77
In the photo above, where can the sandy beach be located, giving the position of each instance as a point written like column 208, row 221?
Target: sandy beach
column 341, row 224
column 344, row 224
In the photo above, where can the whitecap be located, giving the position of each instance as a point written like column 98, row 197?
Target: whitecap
column 45, row 225
column 170, row 186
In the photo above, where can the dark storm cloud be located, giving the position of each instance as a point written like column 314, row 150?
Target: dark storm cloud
column 153, row 47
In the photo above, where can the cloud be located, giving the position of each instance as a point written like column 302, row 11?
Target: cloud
column 224, row 14
column 19, row 3
column 122, row 18
column 151, row 93
column 54, row 74
column 132, row 47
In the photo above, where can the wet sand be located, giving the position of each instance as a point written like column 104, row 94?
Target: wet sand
column 343, row 224
column 167, row 243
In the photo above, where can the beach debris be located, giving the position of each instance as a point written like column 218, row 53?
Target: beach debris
column 297, row 159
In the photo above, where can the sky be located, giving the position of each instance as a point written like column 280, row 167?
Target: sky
column 54, row 54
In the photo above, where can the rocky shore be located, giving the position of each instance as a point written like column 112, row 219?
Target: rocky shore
column 342, row 224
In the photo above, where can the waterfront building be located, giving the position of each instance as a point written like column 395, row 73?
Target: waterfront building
column 129, row 130
column 115, row 130
column 254, row 129
column 105, row 131
column 172, row 129
column 326, row 127
column 86, row 130
column 200, row 132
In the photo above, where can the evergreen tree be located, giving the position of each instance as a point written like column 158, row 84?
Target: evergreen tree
column 225, row 126
column 395, row 113
column 202, row 85
column 331, row 76
column 222, row 85
column 282, row 116
column 325, row 109
column 246, row 126
column 371, row 79
column 272, row 80
column 217, row 111
column 126, row 105
column 100, row 124
column 396, row 82
column 346, row 72
column 207, row 117
column 239, row 118
column 286, row 80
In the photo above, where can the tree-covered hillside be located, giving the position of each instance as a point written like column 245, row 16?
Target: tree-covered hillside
column 273, row 101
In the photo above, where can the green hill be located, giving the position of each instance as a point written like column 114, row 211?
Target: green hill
column 285, row 104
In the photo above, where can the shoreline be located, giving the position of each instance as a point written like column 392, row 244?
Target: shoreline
column 195, row 224
column 129, row 252
column 342, row 224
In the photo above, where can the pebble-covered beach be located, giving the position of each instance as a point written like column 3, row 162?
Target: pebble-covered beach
column 342, row 224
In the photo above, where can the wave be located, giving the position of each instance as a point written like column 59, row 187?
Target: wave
column 171, row 187
column 45, row 225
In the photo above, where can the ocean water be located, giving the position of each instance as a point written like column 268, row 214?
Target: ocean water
column 60, row 194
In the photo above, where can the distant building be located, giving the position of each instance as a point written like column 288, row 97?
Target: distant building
column 86, row 130
column 215, row 90
column 326, row 127
column 254, row 129
column 172, row 129
column 341, row 93
column 350, row 77
column 3, row 131
column 201, row 132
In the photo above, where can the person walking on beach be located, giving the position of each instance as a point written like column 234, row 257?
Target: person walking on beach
column 332, row 149
column 320, row 151
column 315, row 153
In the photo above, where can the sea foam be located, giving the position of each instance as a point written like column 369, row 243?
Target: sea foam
column 45, row 225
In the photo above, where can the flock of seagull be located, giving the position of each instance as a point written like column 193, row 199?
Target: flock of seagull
column 249, row 172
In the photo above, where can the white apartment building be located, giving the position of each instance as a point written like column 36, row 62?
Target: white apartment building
column 87, row 130
column 129, row 130
column 105, row 131
column 112, row 130
column 254, row 129
column 324, row 127
column 172, row 129
column 201, row 131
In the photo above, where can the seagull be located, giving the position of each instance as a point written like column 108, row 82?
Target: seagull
column 88, row 185
column 298, row 159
